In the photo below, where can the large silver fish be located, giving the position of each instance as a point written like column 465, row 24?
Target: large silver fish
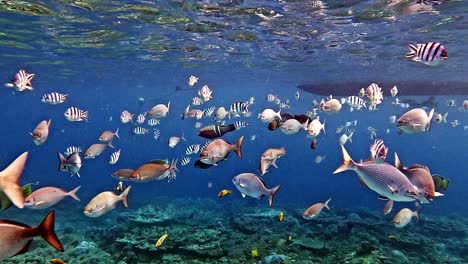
column 71, row 164
column 415, row 121
column 382, row 178
column 253, row 186
column 15, row 238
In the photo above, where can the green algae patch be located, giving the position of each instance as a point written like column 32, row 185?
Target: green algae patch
column 93, row 39
column 203, row 27
column 15, row 44
column 164, row 20
column 243, row 36
column 375, row 14
column 25, row 8
column 138, row 8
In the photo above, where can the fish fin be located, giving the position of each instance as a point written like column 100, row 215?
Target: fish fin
column 46, row 230
column 168, row 106
column 110, row 144
column 431, row 114
column 362, row 182
column 348, row 163
column 393, row 190
column 238, row 147
column 124, row 196
column 243, row 195
column 274, row 163
column 25, row 248
column 116, row 133
column 413, row 51
column 48, row 122
column 388, row 206
column 279, row 114
column 72, row 193
column 9, row 179
column 323, row 126
column 272, row 193
column 437, row 194
column 444, row 117
column 350, row 137
column 326, row 203
column 398, row 164
column 383, row 198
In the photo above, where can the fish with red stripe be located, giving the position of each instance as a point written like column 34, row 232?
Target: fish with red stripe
column 430, row 53
column 22, row 81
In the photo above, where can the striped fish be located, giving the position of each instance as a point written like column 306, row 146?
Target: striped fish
column 114, row 157
column 185, row 161
column 126, row 117
column 238, row 108
column 153, row 122
column 251, row 100
column 72, row 149
column 209, row 111
column 54, row 98
column 192, row 149
column 284, row 105
column 140, row 119
column 378, row 151
column 270, row 97
column 355, row 102
column 241, row 124
column 197, row 101
column 75, row 114
column 140, row 131
column 430, row 53
column 204, row 146
column 22, row 81
column 157, row 134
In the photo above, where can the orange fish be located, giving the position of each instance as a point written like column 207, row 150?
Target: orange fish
column 57, row 261
column 281, row 216
column 161, row 240
column 224, row 193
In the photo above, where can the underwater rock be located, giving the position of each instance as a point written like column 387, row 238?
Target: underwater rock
column 25, row 8
column 274, row 259
column 398, row 257
column 309, row 243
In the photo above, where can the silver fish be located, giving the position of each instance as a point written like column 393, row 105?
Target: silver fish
column 71, row 164
column 253, row 186
column 156, row 134
column 415, row 121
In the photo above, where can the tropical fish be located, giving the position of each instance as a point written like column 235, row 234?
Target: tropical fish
column 332, row 106
column 192, row 149
column 354, row 102
column 223, row 193
column 192, row 80
column 57, row 261
column 394, row 238
column 297, row 95
column 41, row 132
column 269, row 157
column 319, row 159
column 156, row 134
column 253, row 186
column 161, row 240
column 238, row 108
column 5, row 203
column 209, row 111
column 140, row 119
column 344, row 138
column 269, row 115
column 394, row 91
column 72, row 149
column 123, row 174
column 197, row 101
column 9, row 179
column 440, row 183
column 415, row 121
column 126, row 117
column 293, row 126
column 159, row 111
column 22, row 81
column 221, row 113
column 219, row 149
column 378, row 151
column 75, row 114
column 173, row 141
column 15, row 237
column 114, row 157
column 315, row 210
column 48, row 196
column 388, row 207
column 382, row 178
column 71, row 164
column 153, row 122
column 430, row 53
column 404, row 216
column 439, row 118
column 140, row 131
column 205, row 93
column 185, row 161
column 108, row 136
column 95, row 150
column 54, row 98
column 215, row 131
column 281, row 216
column 104, row 202
column 314, row 128
column 155, row 170
column 120, row 187
column 314, row 143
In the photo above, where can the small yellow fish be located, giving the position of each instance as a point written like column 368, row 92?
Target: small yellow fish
column 57, row 261
column 394, row 238
column 224, row 193
column 281, row 216
column 161, row 240
column 254, row 253
column 290, row 238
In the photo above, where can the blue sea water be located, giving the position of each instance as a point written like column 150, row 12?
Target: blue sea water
column 144, row 54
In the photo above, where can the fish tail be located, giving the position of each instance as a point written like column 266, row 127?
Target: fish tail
column 173, row 168
column 116, row 133
column 62, row 161
column 348, row 162
column 72, row 193
column 124, row 196
column 272, row 194
column 326, row 203
column 431, row 114
column 279, row 114
column 85, row 116
column 323, row 126
column 444, row 118
column 238, row 147
column 47, row 232
column 9, row 179
column 413, row 51
column 168, row 106
column 398, row 163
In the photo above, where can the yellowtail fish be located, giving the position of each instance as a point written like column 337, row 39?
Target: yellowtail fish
column 394, row 238
column 224, row 193
column 161, row 240
column 281, row 216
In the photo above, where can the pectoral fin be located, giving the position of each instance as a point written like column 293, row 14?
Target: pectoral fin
column 243, row 195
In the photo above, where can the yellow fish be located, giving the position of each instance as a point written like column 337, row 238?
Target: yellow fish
column 224, row 193
column 394, row 238
column 281, row 216
column 254, row 253
column 161, row 240
column 57, row 261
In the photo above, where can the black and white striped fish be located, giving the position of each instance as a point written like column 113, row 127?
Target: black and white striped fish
column 54, row 98
column 270, row 97
column 209, row 111
column 153, row 122
column 430, row 2
column 192, row 149
column 197, row 101
column 284, row 105
column 126, row 117
column 238, row 108
column 140, row 131
column 344, row 129
column 355, row 102
column 185, row 161
column 114, row 157
column 204, row 146
column 241, row 124
column 430, row 53
column 157, row 134
column 378, row 151
column 72, row 149
column 75, row 114
column 140, row 119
